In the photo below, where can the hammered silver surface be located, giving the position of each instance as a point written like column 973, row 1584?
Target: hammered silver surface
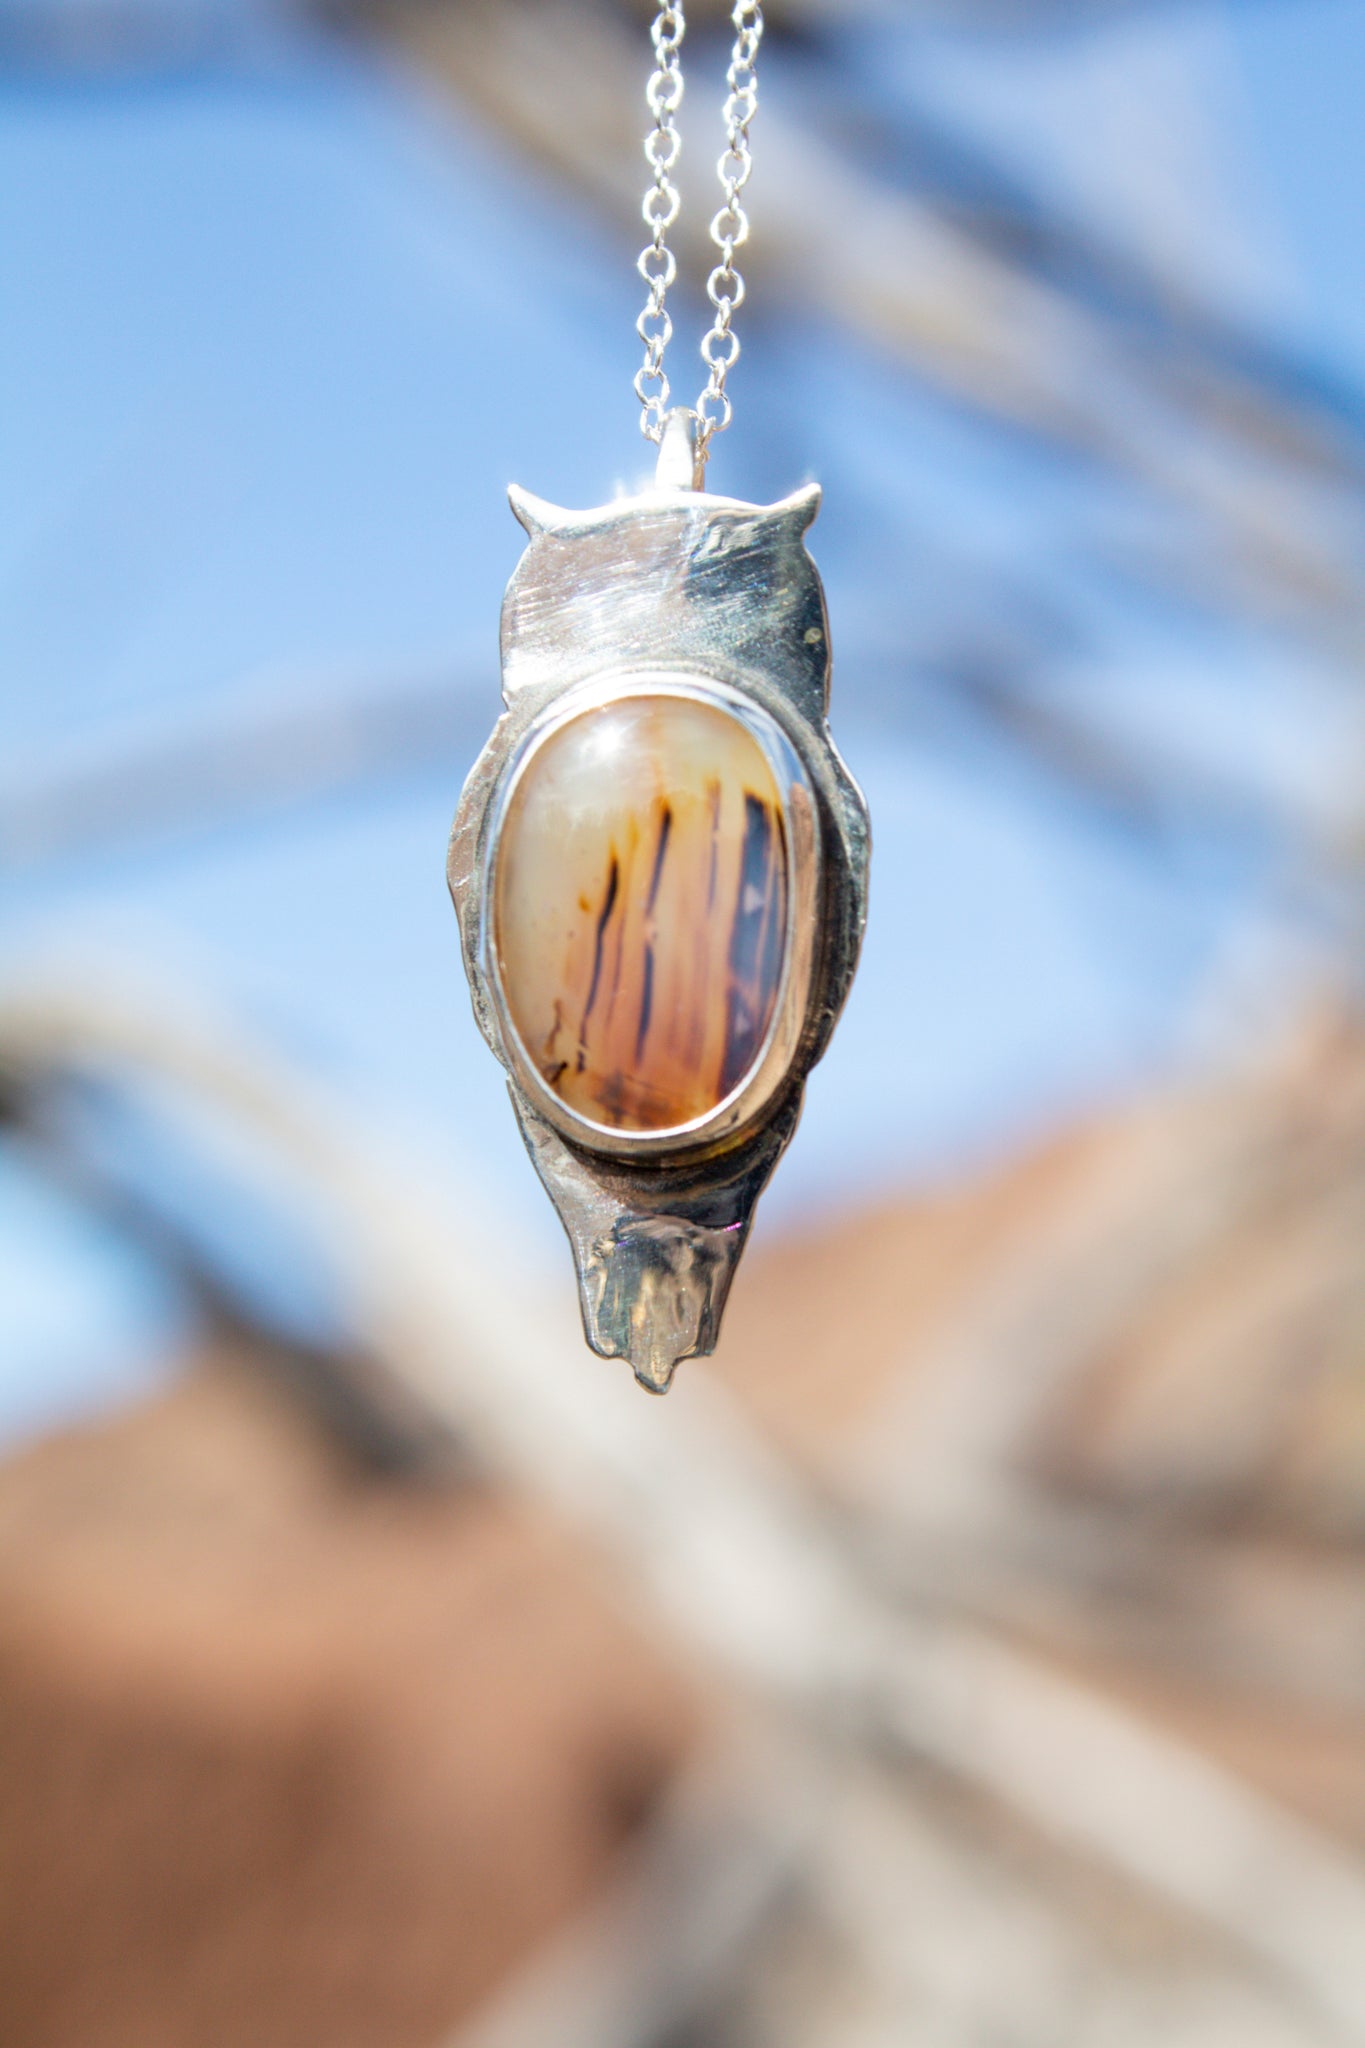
column 710, row 591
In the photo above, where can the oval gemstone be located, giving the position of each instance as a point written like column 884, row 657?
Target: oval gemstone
column 640, row 909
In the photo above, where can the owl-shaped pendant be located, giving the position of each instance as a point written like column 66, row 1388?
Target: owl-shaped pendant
column 659, row 865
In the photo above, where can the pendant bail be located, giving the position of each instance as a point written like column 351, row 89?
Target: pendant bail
column 682, row 452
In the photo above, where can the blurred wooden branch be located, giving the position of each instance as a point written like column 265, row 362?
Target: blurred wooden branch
column 1268, row 474
column 731, row 1547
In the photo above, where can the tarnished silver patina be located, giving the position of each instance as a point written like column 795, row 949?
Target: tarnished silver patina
column 678, row 592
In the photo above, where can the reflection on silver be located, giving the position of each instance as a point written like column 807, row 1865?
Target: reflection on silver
column 680, row 592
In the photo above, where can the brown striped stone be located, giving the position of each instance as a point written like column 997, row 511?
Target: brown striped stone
column 640, row 909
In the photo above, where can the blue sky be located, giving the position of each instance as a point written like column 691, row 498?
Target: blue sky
column 283, row 330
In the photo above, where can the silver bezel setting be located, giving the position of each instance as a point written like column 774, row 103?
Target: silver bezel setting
column 773, row 1061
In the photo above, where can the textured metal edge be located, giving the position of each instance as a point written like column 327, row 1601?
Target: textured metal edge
column 655, row 1253
column 657, row 1233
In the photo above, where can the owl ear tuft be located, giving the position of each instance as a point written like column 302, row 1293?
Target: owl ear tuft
column 537, row 515
column 799, row 509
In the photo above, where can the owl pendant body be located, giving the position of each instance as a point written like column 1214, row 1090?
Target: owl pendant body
column 659, row 864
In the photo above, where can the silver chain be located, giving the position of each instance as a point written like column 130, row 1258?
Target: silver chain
column 729, row 230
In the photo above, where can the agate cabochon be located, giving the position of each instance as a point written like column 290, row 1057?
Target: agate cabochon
column 640, row 898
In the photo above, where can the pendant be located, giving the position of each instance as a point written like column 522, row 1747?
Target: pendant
column 659, row 866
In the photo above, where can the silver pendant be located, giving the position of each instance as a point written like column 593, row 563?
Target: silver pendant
column 659, row 865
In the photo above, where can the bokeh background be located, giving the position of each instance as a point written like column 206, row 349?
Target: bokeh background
column 974, row 1652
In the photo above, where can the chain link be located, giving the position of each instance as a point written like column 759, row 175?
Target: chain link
column 729, row 230
column 657, row 265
